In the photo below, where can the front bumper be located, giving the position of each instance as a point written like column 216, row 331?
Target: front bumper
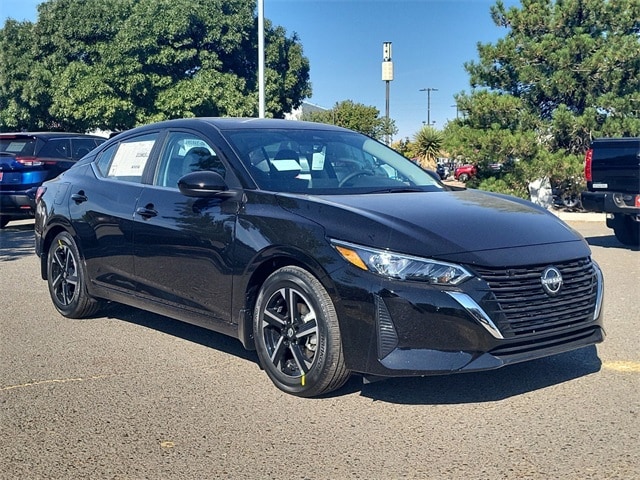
column 416, row 329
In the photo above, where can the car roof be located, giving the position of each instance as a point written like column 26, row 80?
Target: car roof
column 237, row 123
column 48, row 135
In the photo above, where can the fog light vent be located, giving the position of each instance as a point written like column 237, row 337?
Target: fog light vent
column 387, row 336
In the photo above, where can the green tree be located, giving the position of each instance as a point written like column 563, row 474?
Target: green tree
column 405, row 147
column 565, row 72
column 15, row 52
column 118, row 63
column 355, row 116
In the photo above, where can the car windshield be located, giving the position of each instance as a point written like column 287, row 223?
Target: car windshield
column 325, row 162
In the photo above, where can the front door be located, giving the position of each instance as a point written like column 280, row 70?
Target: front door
column 183, row 254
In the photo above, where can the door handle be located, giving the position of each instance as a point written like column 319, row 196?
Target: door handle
column 147, row 212
column 79, row 197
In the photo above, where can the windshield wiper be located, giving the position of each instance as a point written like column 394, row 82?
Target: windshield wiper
column 399, row 190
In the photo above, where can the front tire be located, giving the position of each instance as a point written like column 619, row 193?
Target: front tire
column 297, row 336
column 67, row 279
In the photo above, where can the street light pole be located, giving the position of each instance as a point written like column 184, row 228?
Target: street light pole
column 429, row 90
column 387, row 76
column 261, row 99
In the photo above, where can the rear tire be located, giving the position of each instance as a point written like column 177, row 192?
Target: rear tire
column 4, row 220
column 67, row 279
column 626, row 230
column 297, row 336
column 571, row 200
column 463, row 177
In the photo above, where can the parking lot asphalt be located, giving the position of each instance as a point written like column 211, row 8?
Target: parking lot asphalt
column 132, row 395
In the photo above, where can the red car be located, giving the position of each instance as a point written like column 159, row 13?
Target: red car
column 465, row 172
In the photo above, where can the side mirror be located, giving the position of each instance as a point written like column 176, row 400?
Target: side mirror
column 204, row 184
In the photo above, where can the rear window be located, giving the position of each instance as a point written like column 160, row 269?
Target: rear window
column 18, row 146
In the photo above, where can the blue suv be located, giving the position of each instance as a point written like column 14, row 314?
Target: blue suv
column 28, row 159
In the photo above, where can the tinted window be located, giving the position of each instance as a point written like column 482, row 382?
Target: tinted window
column 82, row 146
column 185, row 153
column 18, row 146
column 126, row 160
column 56, row 148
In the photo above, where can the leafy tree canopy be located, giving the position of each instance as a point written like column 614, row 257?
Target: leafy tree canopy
column 114, row 64
column 566, row 71
column 355, row 116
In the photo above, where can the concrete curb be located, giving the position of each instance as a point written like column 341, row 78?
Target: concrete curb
column 579, row 216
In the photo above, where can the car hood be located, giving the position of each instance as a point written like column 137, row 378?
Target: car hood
column 464, row 226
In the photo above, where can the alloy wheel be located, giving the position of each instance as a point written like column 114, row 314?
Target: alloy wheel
column 64, row 270
column 290, row 331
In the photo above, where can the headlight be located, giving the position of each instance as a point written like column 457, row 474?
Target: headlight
column 402, row 267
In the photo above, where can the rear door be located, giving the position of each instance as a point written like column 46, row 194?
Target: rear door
column 183, row 252
column 102, row 204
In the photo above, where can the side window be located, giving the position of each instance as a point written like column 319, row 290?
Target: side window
column 125, row 161
column 185, row 153
column 56, row 148
column 81, row 146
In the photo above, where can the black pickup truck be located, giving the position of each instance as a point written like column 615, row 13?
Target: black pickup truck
column 612, row 172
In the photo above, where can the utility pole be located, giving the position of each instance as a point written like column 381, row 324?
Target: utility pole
column 429, row 90
column 387, row 77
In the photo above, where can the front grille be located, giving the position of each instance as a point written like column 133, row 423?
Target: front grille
column 519, row 306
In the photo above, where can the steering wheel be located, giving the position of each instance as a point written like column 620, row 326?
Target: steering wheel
column 354, row 175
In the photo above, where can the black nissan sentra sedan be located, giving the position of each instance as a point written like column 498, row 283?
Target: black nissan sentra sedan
column 322, row 249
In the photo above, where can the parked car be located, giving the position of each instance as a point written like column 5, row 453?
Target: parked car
column 612, row 173
column 245, row 226
column 443, row 171
column 465, row 172
column 28, row 159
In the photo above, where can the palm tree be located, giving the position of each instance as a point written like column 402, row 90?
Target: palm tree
column 428, row 142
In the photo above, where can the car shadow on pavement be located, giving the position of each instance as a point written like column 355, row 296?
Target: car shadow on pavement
column 609, row 241
column 176, row 328
column 16, row 241
column 488, row 386
column 431, row 390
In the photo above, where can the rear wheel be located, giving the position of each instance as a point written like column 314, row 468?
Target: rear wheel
column 4, row 220
column 463, row 177
column 297, row 334
column 570, row 200
column 626, row 230
column 67, row 279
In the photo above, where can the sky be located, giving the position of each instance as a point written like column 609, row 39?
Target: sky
column 343, row 40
